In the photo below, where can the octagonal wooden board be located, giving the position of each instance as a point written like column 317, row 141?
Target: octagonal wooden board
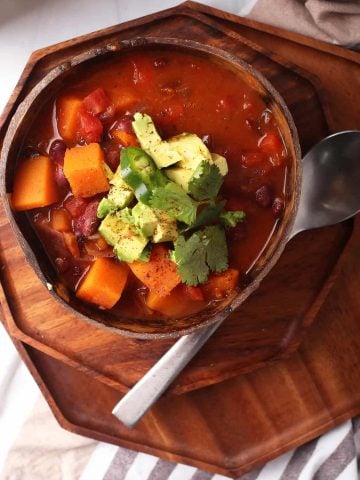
column 268, row 326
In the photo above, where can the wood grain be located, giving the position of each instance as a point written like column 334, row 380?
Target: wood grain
column 267, row 327
column 239, row 424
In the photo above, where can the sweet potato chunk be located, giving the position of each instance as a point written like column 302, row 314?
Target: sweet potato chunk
column 60, row 220
column 176, row 304
column 172, row 305
column 104, row 282
column 159, row 273
column 67, row 108
column 222, row 284
column 84, row 169
column 34, row 184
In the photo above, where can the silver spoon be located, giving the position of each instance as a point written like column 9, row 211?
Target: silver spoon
column 330, row 193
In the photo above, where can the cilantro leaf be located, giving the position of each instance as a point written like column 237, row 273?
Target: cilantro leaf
column 204, row 251
column 216, row 248
column 206, row 181
column 208, row 215
column 230, row 219
column 190, row 257
column 174, row 200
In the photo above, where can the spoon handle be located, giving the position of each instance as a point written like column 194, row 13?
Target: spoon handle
column 144, row 394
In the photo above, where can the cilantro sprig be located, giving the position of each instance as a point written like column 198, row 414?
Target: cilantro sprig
column 203, row 252
column 231, row 219
column 174, row 200
column 206, row 181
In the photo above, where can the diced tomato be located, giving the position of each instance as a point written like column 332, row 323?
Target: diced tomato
column 76, row 205
column 96, row 102
column 90, row 129
column 194, row 293
column 271, row 143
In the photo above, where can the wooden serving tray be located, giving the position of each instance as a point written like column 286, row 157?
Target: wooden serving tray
column 241, row 423
column 270, row 324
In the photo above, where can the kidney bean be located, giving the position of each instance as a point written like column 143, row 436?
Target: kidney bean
column 57, row 152
column 112, row 158
column 278, row 206
column 76, row 206
column 263, row 196
column 124, row 124
column 60, row 178
column 87, row 223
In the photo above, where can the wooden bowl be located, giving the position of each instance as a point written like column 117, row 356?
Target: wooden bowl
column 32, row 247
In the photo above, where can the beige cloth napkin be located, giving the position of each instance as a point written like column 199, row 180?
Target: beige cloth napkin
column 334, row 21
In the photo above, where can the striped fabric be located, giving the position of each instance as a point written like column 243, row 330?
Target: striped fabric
column 36, row 448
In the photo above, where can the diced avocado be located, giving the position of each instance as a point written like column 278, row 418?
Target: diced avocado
column 152, row 143
column 155, row 223
column 145, row 219
column 105, row 207
column 120, row 193
column 125, row 215
column 166, row 229
column 108, row 172
column 164, row 155
column 220, row 162
column 180, row 175
column 191, row 149
column 110, row 229
column 145, row 131
column 127, row 241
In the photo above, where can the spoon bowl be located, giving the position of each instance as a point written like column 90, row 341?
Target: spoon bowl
column 330, row 191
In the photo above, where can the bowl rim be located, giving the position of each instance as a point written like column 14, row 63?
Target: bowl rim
column 122, row 46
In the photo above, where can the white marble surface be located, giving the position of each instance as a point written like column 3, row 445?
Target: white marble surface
column 26, row 25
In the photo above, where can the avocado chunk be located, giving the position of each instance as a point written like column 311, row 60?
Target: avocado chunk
column 180, row 175
column 155, row 223
column 127, row 241
column 145, row 131
column 108, row 172
column 152, row 143
column 191, row 149
column 166, row 230
column 120, row 193
column 105, row 207
column 220, row 162
column 145, row 219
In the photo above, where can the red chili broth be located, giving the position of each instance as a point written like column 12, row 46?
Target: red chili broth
column 183, row 93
